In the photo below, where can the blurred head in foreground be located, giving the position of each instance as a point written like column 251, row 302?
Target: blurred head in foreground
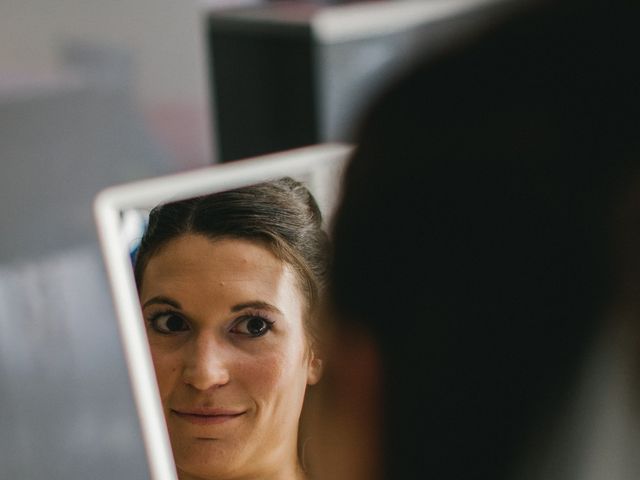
column 481, row 246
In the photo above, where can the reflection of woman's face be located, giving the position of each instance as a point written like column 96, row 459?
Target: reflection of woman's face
column 225, row 326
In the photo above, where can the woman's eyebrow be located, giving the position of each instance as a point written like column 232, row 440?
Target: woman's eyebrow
column 258, row 304
column 162, row 300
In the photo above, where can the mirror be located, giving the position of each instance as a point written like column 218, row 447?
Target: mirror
column 120, row 213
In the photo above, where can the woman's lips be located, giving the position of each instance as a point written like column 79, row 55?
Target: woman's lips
column 204, row 416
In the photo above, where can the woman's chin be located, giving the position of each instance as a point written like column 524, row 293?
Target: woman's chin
column 201, row 457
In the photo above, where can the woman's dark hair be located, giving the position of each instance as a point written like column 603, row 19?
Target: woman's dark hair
column 474, row 240
column 280, row 214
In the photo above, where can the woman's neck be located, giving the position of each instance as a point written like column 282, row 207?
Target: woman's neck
column 291, row 472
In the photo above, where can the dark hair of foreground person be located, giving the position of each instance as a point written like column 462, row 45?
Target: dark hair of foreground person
column 484, row 236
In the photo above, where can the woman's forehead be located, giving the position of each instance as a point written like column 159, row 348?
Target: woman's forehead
column 195, row 266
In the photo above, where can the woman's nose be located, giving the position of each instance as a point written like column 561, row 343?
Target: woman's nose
column 205, row 367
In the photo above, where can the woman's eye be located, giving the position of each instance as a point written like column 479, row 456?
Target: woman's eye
column 252, row 326
column 168, row 323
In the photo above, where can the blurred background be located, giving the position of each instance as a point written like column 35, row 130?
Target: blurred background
column 95, row 93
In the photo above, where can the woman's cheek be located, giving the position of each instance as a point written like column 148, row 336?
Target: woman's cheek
column 167, row 369
column 262, row 375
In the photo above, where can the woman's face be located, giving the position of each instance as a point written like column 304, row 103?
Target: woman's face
column 225, row 325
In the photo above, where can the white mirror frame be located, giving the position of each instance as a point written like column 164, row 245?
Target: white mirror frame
column 313, row 163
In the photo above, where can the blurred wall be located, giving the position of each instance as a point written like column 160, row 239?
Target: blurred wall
column 163, row 37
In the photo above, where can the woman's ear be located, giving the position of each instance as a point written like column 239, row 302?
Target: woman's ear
column 314, row 372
